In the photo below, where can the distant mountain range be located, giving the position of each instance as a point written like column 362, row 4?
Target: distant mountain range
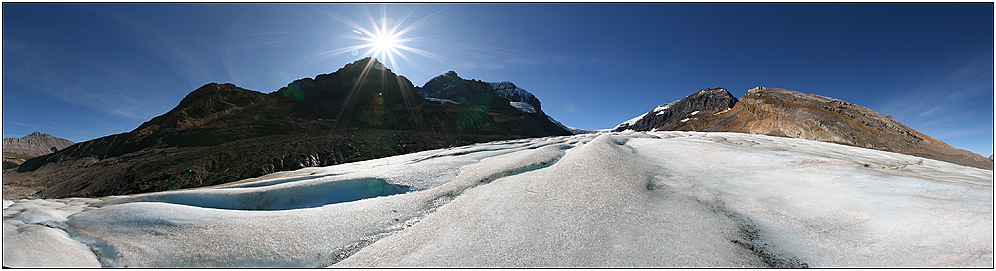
column 221, row 133
column 787, row 113
column 18, row 150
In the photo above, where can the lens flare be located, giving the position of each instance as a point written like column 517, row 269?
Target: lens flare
column 382, row 38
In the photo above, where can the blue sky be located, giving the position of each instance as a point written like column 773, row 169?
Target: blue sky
column 83, row 71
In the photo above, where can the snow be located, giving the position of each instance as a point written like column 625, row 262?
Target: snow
column 438, row 100
column 576, row 131
column 632, row 121
column 630, row 199
column 517, row 96
column 693, row 113
column 524, row 107
column 660, row 108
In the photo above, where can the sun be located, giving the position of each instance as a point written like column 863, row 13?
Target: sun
column 382, row 38
column 384, row 45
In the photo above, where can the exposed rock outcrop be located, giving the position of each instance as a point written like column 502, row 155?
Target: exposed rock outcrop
column 18, row 150
column 35, row 144
column 675, row 115
column 787, row 113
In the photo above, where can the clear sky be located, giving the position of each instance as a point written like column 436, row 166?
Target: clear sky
column 83, row 71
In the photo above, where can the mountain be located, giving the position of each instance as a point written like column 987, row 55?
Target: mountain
column 518, row 97
column 503, row 99
column 449, row 87
column 673, row 115
column 221, row 133
column 35, row 144
column 18, row 150
column 787, row 113
column 629, row 199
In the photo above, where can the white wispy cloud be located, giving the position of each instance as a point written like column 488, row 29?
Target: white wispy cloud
column 947, row 100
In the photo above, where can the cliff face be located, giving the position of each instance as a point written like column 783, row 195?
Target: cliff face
column 787, row 113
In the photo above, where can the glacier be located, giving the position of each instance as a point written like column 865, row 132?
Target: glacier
column 627, row 199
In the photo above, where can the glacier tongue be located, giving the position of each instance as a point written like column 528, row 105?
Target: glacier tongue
column 630, row 199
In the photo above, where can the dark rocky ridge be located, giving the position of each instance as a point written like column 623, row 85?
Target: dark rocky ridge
column 513, row 93
column 221, row 133
column 470, row 92
column 787, row 113
column 670, row 116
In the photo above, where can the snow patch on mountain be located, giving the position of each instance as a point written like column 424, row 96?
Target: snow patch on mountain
column 518, row 97
column 438, row 100
column 660, row 108
column 631, row 122
column 522, row 106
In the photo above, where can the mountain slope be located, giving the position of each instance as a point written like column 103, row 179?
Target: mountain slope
column 674, row 115
column 500, row 99
column 780, row 112
column 221, row 133
column 18, row 150
column 518, row 97
column 35, row 144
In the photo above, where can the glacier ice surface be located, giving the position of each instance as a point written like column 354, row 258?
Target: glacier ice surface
column 629, row 199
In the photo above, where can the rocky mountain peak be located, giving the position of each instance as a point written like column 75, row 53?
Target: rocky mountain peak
column 519, row 97
column 714, row 90
column 788, row 113
column 202, row 105
column 362, row 64
column 449, row 87
column 34, row 144
column 444, row 86
column 674, row 115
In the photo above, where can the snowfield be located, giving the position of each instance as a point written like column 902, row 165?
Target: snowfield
column 631, row 199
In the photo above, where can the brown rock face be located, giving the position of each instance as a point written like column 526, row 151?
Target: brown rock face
column 35, row 144
column 787, row 113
